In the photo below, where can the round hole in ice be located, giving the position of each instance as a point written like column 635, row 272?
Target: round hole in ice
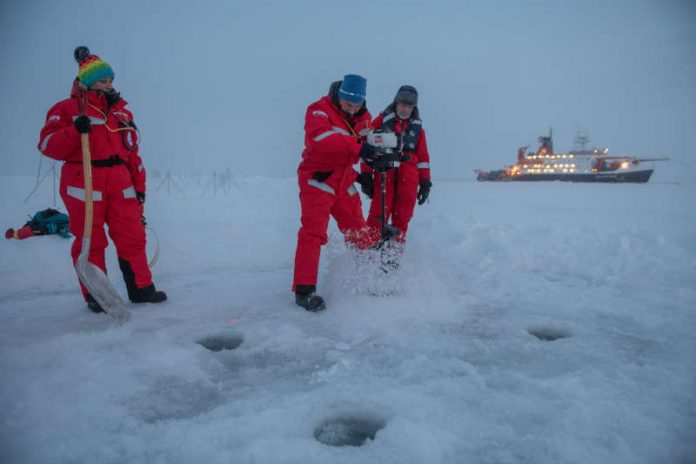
column 548, row 334
column 221, row 342
column 348, row 431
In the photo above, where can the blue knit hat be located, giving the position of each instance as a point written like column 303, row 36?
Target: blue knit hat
column 353, row 88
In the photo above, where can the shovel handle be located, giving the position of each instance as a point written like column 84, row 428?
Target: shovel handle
column 87, row 169
column 86, row 163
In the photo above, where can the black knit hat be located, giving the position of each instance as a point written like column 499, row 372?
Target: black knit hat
column 407, row 94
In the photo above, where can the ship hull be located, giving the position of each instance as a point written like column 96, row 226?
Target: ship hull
column 641, row 176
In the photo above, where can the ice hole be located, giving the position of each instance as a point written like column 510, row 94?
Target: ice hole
column 548, row 334
column 348, row 431
column 221, row 342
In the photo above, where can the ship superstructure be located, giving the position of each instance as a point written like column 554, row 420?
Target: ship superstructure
column 581, row 165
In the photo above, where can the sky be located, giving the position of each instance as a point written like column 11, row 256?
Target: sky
column 216, row 85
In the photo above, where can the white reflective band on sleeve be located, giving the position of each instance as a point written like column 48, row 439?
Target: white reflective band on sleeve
column 334, row 130
column 321, row 137
column 140, row 168
column 352, row 190
column 389, row 117
column 423, row 165
column 321, row 186
column 129, row 192
column 81, row 195
column 93, row 120
column 44, row 144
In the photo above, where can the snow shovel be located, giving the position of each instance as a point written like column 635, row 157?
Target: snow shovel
column 91, row 276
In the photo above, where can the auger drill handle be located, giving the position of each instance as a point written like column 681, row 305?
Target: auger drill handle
column 390, row 148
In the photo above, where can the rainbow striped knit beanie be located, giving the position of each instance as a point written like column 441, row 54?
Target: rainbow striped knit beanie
column 91, row 67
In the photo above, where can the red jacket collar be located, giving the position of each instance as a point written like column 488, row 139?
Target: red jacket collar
column 96, row 99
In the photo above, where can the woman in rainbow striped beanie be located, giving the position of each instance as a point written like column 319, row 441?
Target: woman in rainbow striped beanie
column 96, row 75
column 118, row 175
column 92, row 69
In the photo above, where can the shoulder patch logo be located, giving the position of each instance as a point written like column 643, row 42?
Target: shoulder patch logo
column 320, row 113
column 53, row 118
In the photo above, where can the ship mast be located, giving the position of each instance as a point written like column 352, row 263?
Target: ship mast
column 546, row 144
column 582, row 139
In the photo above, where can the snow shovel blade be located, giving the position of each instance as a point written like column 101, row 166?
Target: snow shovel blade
column 99, row 286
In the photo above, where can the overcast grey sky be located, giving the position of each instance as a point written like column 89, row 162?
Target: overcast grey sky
column 218, row 84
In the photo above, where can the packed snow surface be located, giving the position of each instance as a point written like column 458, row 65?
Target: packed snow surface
column 527, row 322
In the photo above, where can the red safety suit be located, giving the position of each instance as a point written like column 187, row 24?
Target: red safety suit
column 402, row 182
column 117, row 174
column 326, row 177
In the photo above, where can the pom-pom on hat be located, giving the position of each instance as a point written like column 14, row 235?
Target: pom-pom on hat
column 407, row 94
column 353, row 88
column 91, row 68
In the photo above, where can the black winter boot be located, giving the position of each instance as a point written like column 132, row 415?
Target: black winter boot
column 139, row 295
column 128, row 278
column 306, row 297
column 93, row 304
column 148, row 295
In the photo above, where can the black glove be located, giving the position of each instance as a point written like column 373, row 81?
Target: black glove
column 322, row 176
column 423, row 191
column 141, row 197
column 83, row 125
column 368, row 153
column 367, row 183
column 112, row 97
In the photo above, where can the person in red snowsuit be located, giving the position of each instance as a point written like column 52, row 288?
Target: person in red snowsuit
column 118, row 175
column 335, row 131
column 408, row 183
